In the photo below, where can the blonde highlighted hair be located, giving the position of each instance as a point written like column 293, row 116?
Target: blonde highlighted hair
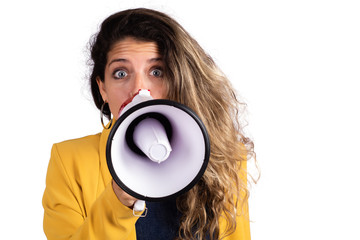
column 193, row 79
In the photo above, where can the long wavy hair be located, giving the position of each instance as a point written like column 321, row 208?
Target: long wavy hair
column 193, row 79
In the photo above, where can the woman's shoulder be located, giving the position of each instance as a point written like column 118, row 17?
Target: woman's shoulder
column 80, row 147
column 78, row 162
column 86, row 141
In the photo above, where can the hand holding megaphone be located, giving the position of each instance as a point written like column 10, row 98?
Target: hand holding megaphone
column 123, row 197
column 156, row 150
column 129, row 201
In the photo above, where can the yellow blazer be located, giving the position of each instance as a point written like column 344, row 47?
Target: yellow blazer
column 79, row 202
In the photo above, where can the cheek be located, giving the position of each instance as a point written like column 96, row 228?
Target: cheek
column 159, row 91
column 116, row 99
column 157, row 94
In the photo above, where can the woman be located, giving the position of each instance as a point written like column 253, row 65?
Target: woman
column 145, row 49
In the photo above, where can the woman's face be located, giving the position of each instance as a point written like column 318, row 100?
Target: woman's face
column 132, row 65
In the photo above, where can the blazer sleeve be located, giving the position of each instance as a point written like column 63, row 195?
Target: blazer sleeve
column 65, row 216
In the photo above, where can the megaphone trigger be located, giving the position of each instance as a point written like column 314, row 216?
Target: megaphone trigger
column 139, row 209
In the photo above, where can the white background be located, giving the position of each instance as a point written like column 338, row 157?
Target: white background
column 295, row 63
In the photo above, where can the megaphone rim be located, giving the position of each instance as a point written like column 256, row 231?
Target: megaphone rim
column 133, row 109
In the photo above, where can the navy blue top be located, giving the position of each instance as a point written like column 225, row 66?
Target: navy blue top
column 161, row 222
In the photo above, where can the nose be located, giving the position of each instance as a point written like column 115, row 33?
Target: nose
column 140, row 82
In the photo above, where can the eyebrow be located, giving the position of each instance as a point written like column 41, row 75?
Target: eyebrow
column 125, row 60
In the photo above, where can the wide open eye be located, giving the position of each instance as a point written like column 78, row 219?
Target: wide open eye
column 120, row 74
column 156, row 72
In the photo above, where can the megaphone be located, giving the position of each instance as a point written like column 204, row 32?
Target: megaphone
column 157, row 149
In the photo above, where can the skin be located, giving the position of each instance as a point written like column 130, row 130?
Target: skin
column 131, row 65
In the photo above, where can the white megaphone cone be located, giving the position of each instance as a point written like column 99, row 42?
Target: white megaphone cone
column 157, row 149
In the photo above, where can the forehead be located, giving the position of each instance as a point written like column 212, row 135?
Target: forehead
column 130, row 46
